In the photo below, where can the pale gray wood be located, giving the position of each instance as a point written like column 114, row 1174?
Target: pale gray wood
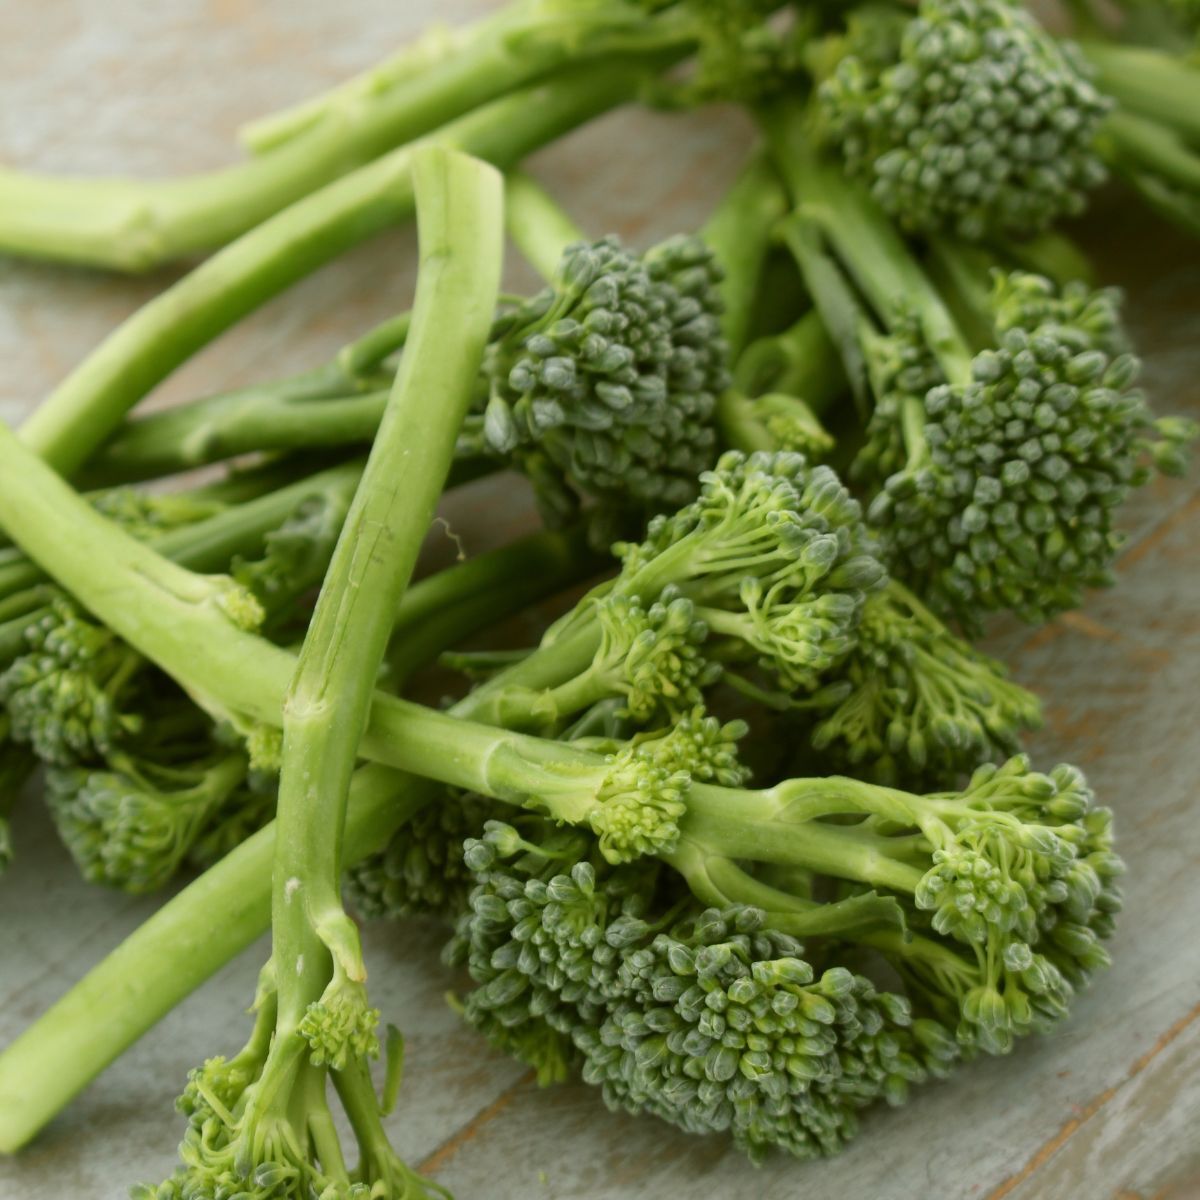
column 1106, row 1107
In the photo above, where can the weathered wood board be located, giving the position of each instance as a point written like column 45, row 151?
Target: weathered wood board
column 1107, row 1108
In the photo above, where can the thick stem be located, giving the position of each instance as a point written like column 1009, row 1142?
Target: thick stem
column 89, row 405
column 801, row 361
column 167, row 958
column 444, row 608
column 1150, row 84
column 1157, row 163
column 131, row 225
column 460, row 230
column 318, row 409
column 781, row 825
column 716, row 880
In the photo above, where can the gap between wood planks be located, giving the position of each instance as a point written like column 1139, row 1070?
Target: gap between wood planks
column 1050, row 1148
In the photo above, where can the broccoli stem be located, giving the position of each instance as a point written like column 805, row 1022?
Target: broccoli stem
column 740, row 232
column 801, row 361
column 263, row 134
column 178, row 948
column 315, row 944
column 1157, row 163
column 321, row 408
column 715, row 879
column 782, row 378
column 1148, row 83
column 205, row 545
column 540, row 229
column 89, row 405
column 865, row 241
column 444, row 608
column 132, row 226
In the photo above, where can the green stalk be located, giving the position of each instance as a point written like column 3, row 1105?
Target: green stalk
column 250, row 420
column 210, row 544
column 434, row 47
column 866, row 243
column 540, row 229
column 801, row 361
column 133, row 226
column 338, row 403
column 444, row 608
column 794, row 376
column 327, row 702
column 716, row 880
column 168, row 957
column 178, row 948
column 1157, row 163
column 1148, row 83
column 89, row 405
column 740, row 232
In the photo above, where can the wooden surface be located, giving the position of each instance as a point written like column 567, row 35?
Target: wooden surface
column 1108, row 1108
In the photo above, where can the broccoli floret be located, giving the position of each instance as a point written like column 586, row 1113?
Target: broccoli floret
column 967, row 118
column 1011, row 482
column 775, row 554
column 920, row 703
column 997, row 475
column 68, row 696
column 609, row 378
column 709, row 1018
column 133, row 823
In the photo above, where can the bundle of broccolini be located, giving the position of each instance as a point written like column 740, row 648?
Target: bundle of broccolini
column 747, row 839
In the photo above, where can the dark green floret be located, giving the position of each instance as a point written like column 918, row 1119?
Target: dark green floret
column 966, row 118
column 1011, row 482
column 609, row 378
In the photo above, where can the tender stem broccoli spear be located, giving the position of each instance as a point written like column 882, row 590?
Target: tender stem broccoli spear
column 265, row 1128
column 967, row 117
column 997, row 475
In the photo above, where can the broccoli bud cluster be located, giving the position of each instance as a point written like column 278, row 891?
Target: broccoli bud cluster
column 1023, row 872
column 706, row 1018
column 421, row 872
column 970, row 119
column 776, row 555
column 722, row 1025
column 1011, row 499
column 654, row 657
column 610, row 377
column 65, row 695
column 920, row 704
column 132, row 824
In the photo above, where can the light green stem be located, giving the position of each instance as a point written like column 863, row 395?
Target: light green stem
column 538, row 226
column 740, row 232
column 460, row 229
column 865, row 241
column 1149, row 83
column 89, row 405
column 133, row 225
